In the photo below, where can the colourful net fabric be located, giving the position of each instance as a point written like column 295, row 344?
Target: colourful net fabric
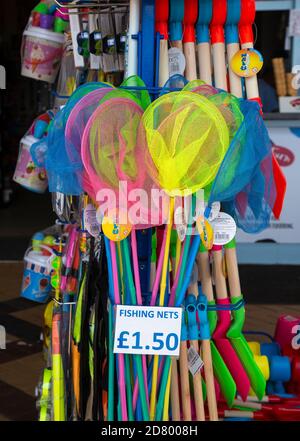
column 245, row 182
column 187, row 139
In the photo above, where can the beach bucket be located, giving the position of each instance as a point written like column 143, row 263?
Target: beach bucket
column 36, row 284
column 26, row 173
column 41, row 53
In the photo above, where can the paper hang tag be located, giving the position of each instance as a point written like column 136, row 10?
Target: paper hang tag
column 205, row 231
column 246, row 62
column 214, row 210
column 115, row 231
column 224, row 228
column 195, row 362
column 90, row 221
column 176, row 61
column 201, row 207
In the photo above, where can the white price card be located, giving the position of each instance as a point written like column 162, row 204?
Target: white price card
column 147, row 330
column 195, row 363
column 224, row 228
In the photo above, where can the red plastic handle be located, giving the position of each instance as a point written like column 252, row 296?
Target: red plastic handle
column 162, row 17
column 217, row 23
column 189, row 20
column 246, row 21
column 287, row 414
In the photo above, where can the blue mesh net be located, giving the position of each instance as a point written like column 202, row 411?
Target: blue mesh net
column 75, row 126
column 174, row 82
column 61, row 174
column 245, row 181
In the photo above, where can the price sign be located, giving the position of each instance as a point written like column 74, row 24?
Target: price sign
column 147, row 330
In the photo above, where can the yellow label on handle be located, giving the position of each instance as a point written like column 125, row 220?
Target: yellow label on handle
column 246, row 63
column 115, row 231
column 205, row 231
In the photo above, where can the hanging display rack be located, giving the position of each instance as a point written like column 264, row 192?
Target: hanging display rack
column 79, row 7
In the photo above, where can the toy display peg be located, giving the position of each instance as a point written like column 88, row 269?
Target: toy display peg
column 218, row 42
column 161, row 27
column 175, row 23
column 232, row 43
column 189, row 38
column 203, row 40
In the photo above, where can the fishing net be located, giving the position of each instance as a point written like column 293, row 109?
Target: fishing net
column 62, row 176
column 174, row 82
column 75, row 126
column 245, row 181
column 193, row 85
column 138, row 89
column 187, row 138
column 113, row 153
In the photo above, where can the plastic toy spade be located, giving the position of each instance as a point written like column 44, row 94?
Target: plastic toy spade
column 203, row 40
column 232, row 43
column 218, row 43
column 257, row 380
column 189, row 38
column 175, row 22
column 161, row 26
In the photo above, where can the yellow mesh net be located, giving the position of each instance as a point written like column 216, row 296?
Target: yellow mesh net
column 187, row 138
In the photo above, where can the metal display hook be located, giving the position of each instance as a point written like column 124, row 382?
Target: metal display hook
column 95, row 7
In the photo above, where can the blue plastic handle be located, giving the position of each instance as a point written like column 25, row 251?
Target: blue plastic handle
column 184, row 333
column 191, row 310
column 204, row 333
column 175, row 19
column 204, row 19
column 232, row 21
column 189, row 268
